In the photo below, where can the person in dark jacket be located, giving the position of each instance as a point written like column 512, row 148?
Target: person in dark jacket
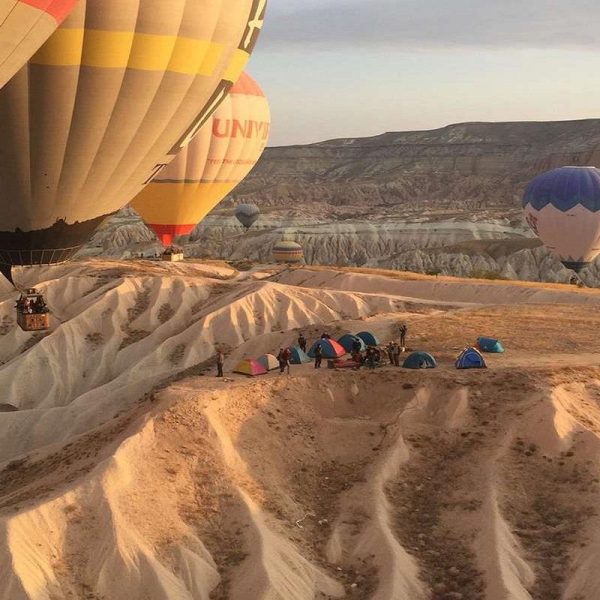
column 318, row 356
column 302, row 342
column 370, row 357
column 220, row 361
column 284, row 360
column 403, row 332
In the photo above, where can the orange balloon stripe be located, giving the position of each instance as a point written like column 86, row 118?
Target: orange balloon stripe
column 59, row 9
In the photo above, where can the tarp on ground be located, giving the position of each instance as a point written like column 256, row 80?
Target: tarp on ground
column 330, row 349
column 370, row 339
column 298, row 356
column 490, row 345
column 420, row 360
column 470, row 358
column 250, row 367
column 347, row 340
column 269, row 362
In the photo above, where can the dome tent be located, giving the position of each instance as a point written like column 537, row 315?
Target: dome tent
column 299, row 357
column 420, row 360
column 368, row 338
column 269, row 362
column 250, row 367
column 347, row 340
column 490, row 345
column 470, row 358
column 330, row 348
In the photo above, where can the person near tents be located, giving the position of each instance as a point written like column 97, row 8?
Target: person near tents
column 302, row 342
column 284, row 360
column 370, row 357
column 318, row 356
column 403, row 332
column 220, row 361
column 390, row 352
column 356, row 346
column 396, row 354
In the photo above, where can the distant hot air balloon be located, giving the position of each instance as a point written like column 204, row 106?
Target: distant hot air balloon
column 247, row 214
column 562, row 207
column 116, row 92
column 24, row 26
column 288, row 252
column 213, row 164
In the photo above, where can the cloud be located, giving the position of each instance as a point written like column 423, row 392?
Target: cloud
column 426, row 24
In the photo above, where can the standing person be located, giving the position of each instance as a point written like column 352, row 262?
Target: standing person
column 287, row 355
column 396, row 354
column 370, row 358
column 390, row 352
column 318, row 356
column 282, row 361
column 220, row 361
column 302, row 342
column 403, row 332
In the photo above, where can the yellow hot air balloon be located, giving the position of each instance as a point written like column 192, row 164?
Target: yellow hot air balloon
column 103, row 106
column 215, row 162
column 24, row 26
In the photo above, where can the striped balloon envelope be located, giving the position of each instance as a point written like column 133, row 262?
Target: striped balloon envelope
column 562, row 207
column 110, row 99
column 287, row 251
column 211, row 166
column 24, row 26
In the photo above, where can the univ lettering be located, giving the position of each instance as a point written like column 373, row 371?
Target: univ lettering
column 234, row 128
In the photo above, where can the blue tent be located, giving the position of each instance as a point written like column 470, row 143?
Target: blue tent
column 490, row 345
column 470, row 358
column 368, row 338
column 347, row 340
column 298, row 356
column 330, row 349
column 420, row 360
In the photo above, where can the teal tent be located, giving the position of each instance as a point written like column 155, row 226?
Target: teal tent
column 298, row 356
column 490, row 345
column 470, row 358
column 420, row 360
column 368, row 338
column 347, row 340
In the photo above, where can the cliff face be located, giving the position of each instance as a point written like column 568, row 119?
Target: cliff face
column 465, row 167
column 446, row 200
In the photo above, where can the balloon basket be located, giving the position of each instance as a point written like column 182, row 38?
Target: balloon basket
column 172, row 257
column 33, row 322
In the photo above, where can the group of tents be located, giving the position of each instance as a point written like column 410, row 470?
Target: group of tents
column 469, row 358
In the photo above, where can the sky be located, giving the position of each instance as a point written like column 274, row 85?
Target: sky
column 350, row 68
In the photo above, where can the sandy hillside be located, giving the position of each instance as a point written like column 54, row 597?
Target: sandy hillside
column 128, row 472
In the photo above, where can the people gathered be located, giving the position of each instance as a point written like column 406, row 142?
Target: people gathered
column 32, row 303
column 363, row 350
